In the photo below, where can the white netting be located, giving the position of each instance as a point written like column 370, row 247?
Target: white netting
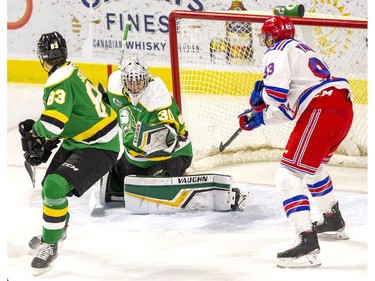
column 215, row 89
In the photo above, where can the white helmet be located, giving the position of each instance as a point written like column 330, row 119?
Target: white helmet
column 135, row 78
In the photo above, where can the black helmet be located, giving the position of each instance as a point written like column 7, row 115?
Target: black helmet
column 52, row 46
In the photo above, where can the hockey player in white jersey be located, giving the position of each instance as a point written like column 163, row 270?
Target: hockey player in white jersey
column 298, row 85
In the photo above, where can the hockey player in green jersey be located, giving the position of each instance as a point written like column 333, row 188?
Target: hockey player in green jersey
column 154, row 133
column 90, row 146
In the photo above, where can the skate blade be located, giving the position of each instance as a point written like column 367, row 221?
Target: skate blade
column 40, row 271
column 334, row 235
column 309, row 260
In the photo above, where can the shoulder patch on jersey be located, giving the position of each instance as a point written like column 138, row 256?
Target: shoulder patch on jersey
column 60, row 75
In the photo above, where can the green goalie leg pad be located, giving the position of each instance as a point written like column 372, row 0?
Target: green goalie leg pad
column 145, row 194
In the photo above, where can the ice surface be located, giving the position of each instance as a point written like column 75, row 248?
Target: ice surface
column 113, row 244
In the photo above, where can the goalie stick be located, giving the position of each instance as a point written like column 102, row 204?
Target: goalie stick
column 92, row 200
column 124, row 39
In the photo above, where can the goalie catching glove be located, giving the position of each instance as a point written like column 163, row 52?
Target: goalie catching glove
column 250, row 119
column 156, row 140
column 37, row 149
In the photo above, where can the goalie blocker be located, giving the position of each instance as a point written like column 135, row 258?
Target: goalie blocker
column 148, row 194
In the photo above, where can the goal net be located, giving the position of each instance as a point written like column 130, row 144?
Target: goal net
column 216, row 59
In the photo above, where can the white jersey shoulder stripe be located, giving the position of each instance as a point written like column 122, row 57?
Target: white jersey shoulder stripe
column 60, row 75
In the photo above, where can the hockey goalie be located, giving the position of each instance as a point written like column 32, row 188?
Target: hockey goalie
column 158, row 150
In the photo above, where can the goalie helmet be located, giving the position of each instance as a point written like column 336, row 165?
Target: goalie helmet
column 275, row 29
column 135, row 78
column 52, row 49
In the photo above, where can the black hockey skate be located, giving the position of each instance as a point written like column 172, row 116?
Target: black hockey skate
column 44, row 259
column 303, row 254
column 332, row 225
column 36, row 242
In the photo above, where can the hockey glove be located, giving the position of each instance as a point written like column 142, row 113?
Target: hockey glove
column 256, row 99
column 250, row 119
column 37, row 149
column 50, row 145
column 42, row 156
column 171, row 143
column 105, row 97
column 30, row 143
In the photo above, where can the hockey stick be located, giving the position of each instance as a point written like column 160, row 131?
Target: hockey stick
column 235, row 135
column 124, row 39
column 229, row 141
column 31, row 171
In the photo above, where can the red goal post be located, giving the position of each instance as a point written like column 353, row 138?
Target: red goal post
column 212, row 87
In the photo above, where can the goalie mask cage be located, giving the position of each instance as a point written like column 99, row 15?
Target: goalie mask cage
column 212, row 87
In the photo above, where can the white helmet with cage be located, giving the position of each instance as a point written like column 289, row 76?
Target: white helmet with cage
column 135, row 77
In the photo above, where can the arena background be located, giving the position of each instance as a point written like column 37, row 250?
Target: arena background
column 93, row 30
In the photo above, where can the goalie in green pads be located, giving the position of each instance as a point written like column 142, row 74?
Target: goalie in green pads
column 154, row 133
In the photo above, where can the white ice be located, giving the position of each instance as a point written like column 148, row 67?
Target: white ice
column 112, row 244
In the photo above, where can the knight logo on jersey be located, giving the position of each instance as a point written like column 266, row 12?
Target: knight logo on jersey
column 127, row 120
